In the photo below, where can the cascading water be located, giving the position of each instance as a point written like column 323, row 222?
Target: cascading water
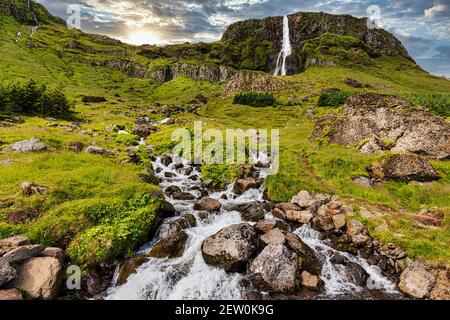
column 189, row 277
column 286, row 49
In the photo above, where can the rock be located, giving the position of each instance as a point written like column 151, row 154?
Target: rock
column 33, row 145
column 339, row 221
column 9, row 244
column 302, row 199
column 274, row 269
column 93, row 99
column 357, row 233
column 98, row 151
column 405, row 167
column 24, row 253
column 207, row 204
column 184, row 196
column 231, row 247
column 243, row 185
column 76, row 146
column 96, row 281
column 275, row 236
column 429, row 220
column 39, row 277
column 30, row 188
column 128, row 267
column 441, row 290
column 54, row 253
column 7, row 273
column 172, row 190
column 303, row 217
column 363, row 181
column 144, row 130
column 251, row 211
column 171, row 247
column 387, row 122
column 10, row 295
column 286, row 206
column 166, row 160
column 356, row 274
column 416, row 281
column 310, row 262
column 354, row 83
column 265, row 226
column 311, row 281
column 201, row 98
column 322, row 223
column 384, row 227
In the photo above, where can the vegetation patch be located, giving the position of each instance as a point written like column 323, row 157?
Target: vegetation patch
column 255, row 99
column 333, row 98
column 434, row 102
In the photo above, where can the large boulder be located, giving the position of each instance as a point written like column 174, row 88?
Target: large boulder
column 252, row 211
column 32, row 145
column 207, row 204
column 7, row 273
column 404, row 167
column 172, row 246
column 11, row 243
column 357, row 233
column 23, row 253
column 243, row 185
column 231, row 248
column 275, row 236
column 274, row 269
column 378, row 122
column 39, row 277
column 309, row 261
column 416, row 281
column 144, row 130
column 128, row 267
column 10, row 295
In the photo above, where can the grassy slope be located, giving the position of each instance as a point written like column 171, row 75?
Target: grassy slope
column 303, row 165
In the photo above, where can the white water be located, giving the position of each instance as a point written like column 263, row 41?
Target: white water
column 286, row 49
column 189, row 277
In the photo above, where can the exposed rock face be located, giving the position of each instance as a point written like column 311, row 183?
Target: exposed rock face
column 307, row 26
column 170, row 247
column 7, row 273
column 231, row 247
column 404, row 167
column 39, row 277
column 32, row 145
column 274, row 269
column 383, row 122
column 257, row 82
column 416, row 281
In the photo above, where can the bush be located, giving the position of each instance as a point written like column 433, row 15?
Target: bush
column 333, row 98
column 34, row 99
column 255, row 99
column 434, row 102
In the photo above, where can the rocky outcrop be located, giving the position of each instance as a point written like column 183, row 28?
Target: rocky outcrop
column 39, row 277
column 404, row 167
column 274, row 269
column 231, row 247
column 376, row 122
column 256, row 82
column 32, row 145
column 416, row 281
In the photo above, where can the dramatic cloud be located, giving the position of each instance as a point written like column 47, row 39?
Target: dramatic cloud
column 422, row 25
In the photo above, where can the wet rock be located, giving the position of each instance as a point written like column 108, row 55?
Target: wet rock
column 251, row 212
column 416, row 281
column 11, row 243
column 171, row 247
column 311, row 281
column 207, row 204
column 10, row 295
column 30, row 188
column 243, row 185
column 39, row 277
column 128, row 267
column 184, row 196
column 96, row 281
column 310, row 262
column 274, row 269
column 32, row 145
column 7, row 273
column 356, row 274
column 231, row 247
column 23, row 253
column 172, row 190
column 404, row 167
column 166, row 160
column 98, row 151
column 275, row 236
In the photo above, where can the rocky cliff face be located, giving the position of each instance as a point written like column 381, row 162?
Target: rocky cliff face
column 305, row 28
column 25, row 11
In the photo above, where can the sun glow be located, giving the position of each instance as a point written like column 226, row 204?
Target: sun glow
column 140, row 37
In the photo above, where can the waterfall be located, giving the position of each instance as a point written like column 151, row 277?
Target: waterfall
column 286, row 49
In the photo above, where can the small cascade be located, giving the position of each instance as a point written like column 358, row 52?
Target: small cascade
column 286, row 49
column 36, row 22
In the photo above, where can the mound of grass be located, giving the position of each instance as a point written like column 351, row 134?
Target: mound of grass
column 333, row 98
column 255, row 99
column 434, row 102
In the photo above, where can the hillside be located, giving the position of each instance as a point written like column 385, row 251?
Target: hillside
column 100, row 208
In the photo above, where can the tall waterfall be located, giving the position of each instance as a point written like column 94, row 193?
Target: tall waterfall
column 286, row 50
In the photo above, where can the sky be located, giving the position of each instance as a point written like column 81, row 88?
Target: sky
column 423, row 26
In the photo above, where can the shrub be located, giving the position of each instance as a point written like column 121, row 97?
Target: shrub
column 333, row 98
column 33, row 98
column 255, row 99
column 434, row 102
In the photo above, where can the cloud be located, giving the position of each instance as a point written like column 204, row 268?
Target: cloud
column 433, row 11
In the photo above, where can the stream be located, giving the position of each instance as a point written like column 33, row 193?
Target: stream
column 189, row 277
